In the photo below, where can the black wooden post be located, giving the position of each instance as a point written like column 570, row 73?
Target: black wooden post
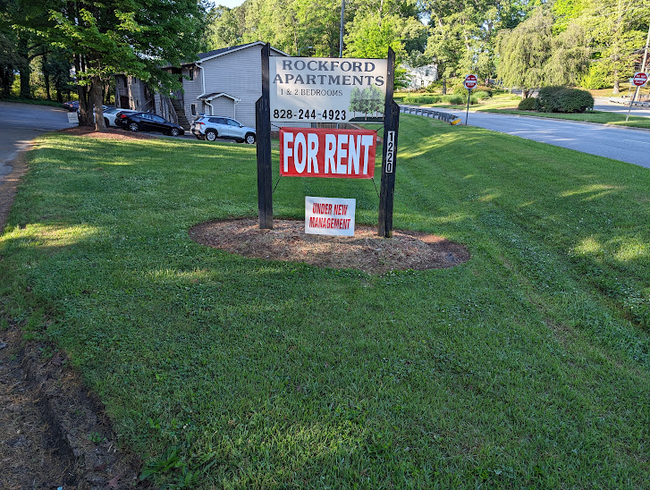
column 264, row 169
column 389, row 154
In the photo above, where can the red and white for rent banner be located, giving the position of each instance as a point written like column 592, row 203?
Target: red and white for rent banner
column 342, row 153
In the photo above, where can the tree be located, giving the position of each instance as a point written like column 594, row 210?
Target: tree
column 570, row 56
column 136, row 37
column 618, row 29
column 223, row 28
column 524, row 51
column 463, row 35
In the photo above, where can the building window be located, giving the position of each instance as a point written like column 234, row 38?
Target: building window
column 191, row 73
column 193, row 109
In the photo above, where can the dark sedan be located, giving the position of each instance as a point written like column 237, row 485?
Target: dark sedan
column 71, row 106
column 143, row 121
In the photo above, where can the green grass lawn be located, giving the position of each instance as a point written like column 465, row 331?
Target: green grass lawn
column 528, row 366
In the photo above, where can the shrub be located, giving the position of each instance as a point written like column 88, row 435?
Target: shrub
column 421, row 99
column 458, row 89
column 456, row 99
column 562, row 99
column 528, row 104
column 481, row 94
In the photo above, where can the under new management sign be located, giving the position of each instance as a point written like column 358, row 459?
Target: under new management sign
column 327, row 89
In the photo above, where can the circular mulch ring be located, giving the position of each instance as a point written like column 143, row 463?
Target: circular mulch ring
column 365, row 251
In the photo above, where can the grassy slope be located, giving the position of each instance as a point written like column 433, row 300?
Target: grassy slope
column 527, row 366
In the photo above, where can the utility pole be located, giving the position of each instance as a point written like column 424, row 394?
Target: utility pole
column 645, row 59
column 341, row 29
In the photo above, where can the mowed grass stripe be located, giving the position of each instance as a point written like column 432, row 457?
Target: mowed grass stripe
column 526, row 366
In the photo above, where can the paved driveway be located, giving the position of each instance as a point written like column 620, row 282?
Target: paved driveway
column 21, row 123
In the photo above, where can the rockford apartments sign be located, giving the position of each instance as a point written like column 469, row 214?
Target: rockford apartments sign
column 327, row 89
column 303, row 91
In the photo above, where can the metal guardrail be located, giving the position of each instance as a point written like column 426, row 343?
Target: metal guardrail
column 421, row 111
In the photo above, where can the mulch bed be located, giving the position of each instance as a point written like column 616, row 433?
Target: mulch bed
column 365, row 251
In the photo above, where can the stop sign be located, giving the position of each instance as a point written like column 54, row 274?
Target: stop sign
column 470, row 82
column 640, row 79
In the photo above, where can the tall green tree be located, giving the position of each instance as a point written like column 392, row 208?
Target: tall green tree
column 136, row 37
column 463, row 34
column 524, row 51
column 618, row 29
column 223, row 28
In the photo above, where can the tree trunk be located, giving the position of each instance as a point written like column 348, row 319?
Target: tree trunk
column 85, row 105
column 46, row 76
column 97, row 97
column 444, row 86
column 24, row 69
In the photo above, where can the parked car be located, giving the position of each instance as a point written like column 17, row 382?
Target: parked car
column 212, row 127
column 143, row 121
column 71, row 105
column 111, row 112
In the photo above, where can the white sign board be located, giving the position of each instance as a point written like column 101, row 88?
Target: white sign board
column 73, row 118
column 326, row 89
column 329, row 216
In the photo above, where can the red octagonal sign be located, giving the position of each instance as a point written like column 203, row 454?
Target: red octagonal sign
column 640, row 79
column 470, row 82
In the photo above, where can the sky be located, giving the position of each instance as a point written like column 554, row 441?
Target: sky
column 229, row 3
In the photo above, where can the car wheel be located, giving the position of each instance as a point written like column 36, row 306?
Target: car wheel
column 211, row 135
column 106, row 123
column 174, row 132
column 250, row 138
column 134, row 127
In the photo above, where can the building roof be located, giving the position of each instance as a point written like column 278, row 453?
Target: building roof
column 216, row 95
column 215, row 53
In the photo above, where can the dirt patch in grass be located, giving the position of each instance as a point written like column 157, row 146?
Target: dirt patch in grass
column 365, row 251
column 53, row 432
column 108, row 133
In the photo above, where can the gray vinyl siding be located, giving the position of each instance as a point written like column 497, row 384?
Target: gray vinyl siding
column 238, row 74
column 192, row 89
column 223, row 106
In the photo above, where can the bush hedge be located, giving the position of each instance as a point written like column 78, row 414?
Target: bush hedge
column 528, row 104
column 456, row 99
column 421, row 99
column 562, row 99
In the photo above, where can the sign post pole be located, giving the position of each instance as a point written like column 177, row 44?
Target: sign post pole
column 639, row 80
column 264, row 171
column 470, row 82
column 389, row 160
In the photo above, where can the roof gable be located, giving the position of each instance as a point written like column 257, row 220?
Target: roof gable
column 225, row 51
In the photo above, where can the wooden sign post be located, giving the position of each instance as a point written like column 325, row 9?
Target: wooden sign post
column 389, row 160
column 264, row 169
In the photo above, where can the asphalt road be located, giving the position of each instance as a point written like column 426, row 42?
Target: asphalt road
column 624, row 144
column 21, row 123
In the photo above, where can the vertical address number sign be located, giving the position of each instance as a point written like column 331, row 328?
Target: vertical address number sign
column 390, row 152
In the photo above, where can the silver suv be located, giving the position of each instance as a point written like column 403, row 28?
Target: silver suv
column 212, row 127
